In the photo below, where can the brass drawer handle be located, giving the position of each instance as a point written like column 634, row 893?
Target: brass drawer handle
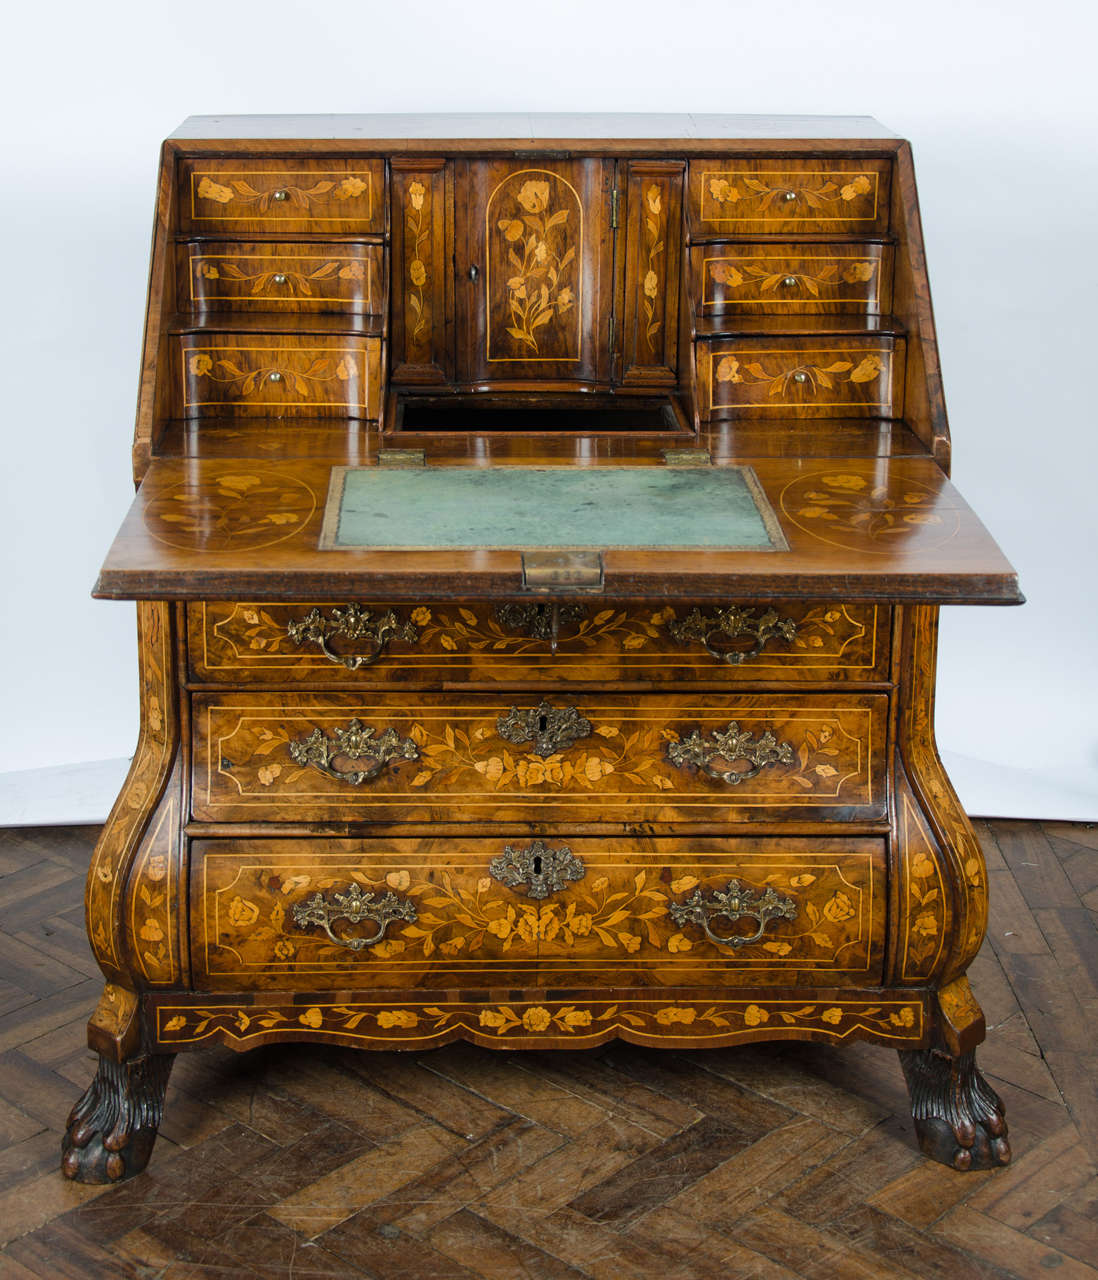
column 355, row 743
column 540, row 869
column 352, row 623
column 733, row 623
column 354, row 906
column 724, row 748
column 550, row 729
column 734, row 903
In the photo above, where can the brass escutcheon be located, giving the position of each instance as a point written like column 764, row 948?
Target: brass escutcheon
column 540, row 869
column 550, row 729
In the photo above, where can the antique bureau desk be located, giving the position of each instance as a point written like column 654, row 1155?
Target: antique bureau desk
column 541, row 529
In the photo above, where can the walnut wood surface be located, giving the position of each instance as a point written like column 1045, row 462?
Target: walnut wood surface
column 472, row 643
column 464, row 769
column 548, row 258
column 611, row 926
column 858, row 528
column 784, row 278
column 298, row 277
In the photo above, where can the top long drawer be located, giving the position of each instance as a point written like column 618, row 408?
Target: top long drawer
column 374, row 644
column 283, row 194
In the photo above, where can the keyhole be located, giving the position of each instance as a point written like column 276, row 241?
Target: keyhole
column 543, row 722
column 537, row 864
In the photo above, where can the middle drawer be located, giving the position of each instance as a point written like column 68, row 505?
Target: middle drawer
column 590, row 759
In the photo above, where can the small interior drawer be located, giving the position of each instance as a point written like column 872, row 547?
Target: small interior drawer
column 282, row 193
column 271, row 276
column 773, row 194
column 820, row 377
column 783, row 278
column 249, row 374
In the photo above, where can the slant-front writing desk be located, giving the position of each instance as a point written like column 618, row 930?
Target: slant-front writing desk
column 540, row 537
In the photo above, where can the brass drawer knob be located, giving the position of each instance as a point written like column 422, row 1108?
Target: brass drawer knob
column 278, row 278
column 800, row 376
column 718, row 755
column 789, row 281
column 354, row 905
column 734, row 902
column 280, row 195
column 550, row 729
column 789, row 195
column 353, row 623
column 538, row 868
column 733, row 623
column 274, row 376
column 357, row 744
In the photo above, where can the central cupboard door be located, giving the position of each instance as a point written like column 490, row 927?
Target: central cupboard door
column 534, row 270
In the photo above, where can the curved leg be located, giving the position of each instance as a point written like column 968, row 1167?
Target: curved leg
column 959, row 1118
column 112, row 1128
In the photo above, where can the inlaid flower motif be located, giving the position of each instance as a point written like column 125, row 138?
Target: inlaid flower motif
column 210, row 272
column 242, row 912
column 534, row 195
column 833, row 1016
column 284, row 949
column 926, row 924
column 722, row 191
column 858, row 187
column 311, row 1018
column 421, row 616
column 838, row 907
column 651, row 284
column 672, row 1014
column 536, row 1019
column 652, row 195
column 845, row 482
column 200, row 364
column 268, row 774
column 156, row 868
column 417, row 272
column 512, row 229
column 903, row 1018
column 416, row 192
column 492, row 1018
column 867, row 370
column 754, row 1016
column 350, row 189
column 208, row 190
column 922, row 517
column 859, row 272
column 397, row 1018
column 728, row 370
column 564, row 300
column 151, row 931
column 353, row 271
column 724, row 274
column 679, row 942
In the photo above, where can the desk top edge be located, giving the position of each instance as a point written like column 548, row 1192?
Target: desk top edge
column 531, row 129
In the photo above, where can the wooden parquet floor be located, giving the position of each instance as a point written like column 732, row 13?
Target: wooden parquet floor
column 761, row 1162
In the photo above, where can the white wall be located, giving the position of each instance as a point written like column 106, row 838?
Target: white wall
column 998, row 98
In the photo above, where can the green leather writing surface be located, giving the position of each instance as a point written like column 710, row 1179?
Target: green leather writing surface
column 446, row 508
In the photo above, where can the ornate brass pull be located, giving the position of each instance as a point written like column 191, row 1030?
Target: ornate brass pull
column 550, row 729
column 734, row 903
column 725, row 747
column 352, row 623
column 733, row 623
column 539, row 621
column 356, row 742
column 354, row 906
column 542, row 870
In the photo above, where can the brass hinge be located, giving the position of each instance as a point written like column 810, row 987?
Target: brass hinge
column 687, row 457
column 615, row 201
column 401, row 458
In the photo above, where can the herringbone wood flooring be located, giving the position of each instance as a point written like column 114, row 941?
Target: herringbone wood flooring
column 769, row 1161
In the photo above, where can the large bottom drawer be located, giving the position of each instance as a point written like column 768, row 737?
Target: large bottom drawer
column 598, row 758
column 513, row 913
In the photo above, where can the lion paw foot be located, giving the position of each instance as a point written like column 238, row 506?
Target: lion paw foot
column 112, row 1128
column 959, row 1118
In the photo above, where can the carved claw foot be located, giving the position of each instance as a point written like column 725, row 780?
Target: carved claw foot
column 958, row 1117
column 113, row 1127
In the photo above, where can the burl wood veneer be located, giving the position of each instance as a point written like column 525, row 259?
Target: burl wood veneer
column 387, row 796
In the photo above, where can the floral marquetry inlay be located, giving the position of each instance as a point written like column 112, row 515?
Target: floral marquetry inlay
column 535, row 238
column 848, row 510
column 778, row 195
column 804, row 379
column 277, row 195
column 577, row 1022
column 417, row 231
column 306, row 377
column 653, row 281
column 230, row 511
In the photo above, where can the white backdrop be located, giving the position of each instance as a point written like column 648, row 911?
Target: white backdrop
column 998, row 99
